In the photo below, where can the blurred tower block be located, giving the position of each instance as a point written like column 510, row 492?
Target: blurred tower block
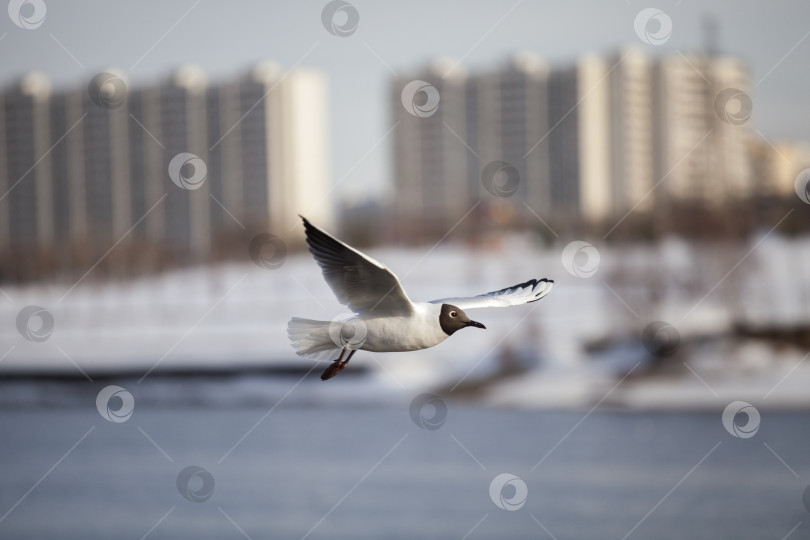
column 580, row 162
column 269, row 151
column 631, row 131
column 602, row 136
column 225, row 156
column 580, row 137
column 514, row 106
column 702, row 149
column 775, row 166
column 186, row 214
column 85, row 173
column 106, row 169
column 300, row 179
column 606, row 138
column 434, row 176
column 731, row 138
column 69, row 194
column 26, row 217
column 148, row 176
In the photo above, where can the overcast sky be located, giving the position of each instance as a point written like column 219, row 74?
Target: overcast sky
column 148, row 38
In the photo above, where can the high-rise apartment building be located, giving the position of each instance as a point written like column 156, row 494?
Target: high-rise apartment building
column 159, row 173
column 68, row 177
column 602, row 136
column 580, row 149
column 776, row 164
column 631, row 131
column 264, row 128
column 595, row 141
column 702, row 130
column 186, row 211
column 149, row 180
column 513, row 127
column 519, row 134
column 26, row 217
column 432, row 162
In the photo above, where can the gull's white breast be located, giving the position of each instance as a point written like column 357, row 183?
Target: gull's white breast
column 392, row 334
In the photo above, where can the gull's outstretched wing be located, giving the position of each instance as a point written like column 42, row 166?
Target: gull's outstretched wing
column 523, row 293
column 358, row 281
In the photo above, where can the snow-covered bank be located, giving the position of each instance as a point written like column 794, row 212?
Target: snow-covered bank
column 234, row 315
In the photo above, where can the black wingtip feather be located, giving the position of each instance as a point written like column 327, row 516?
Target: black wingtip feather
column 534, row 283
column 531, row 283
column 313, row 233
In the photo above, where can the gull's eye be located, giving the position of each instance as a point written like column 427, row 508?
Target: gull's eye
column 453, row 313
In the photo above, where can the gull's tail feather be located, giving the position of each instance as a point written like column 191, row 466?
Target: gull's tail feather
column 311, row 338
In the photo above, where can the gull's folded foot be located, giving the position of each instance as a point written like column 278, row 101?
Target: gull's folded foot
column 337, row 366
column 334, row 368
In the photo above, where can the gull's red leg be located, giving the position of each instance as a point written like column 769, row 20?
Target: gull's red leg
column 336, row 366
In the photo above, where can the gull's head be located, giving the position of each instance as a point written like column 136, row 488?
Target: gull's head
column 452, row 319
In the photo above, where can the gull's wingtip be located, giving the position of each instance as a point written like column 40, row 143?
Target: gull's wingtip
column 307, row 223
column 542, row 292
column 534, row 282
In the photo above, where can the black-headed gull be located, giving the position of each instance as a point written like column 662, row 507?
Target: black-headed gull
column 387, row 320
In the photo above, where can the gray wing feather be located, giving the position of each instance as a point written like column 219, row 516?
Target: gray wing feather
column 358, row 281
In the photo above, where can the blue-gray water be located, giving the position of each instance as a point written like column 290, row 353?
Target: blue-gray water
column 349, row 472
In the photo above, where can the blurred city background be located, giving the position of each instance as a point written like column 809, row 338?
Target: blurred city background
column 653, row 161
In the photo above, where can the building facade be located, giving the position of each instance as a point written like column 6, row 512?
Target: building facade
column 434, row 163
column 86, row 181
column 595, row 142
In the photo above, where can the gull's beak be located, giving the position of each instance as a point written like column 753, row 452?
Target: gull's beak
column 476, row 324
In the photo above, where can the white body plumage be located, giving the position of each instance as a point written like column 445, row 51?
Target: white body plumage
column 387, row 320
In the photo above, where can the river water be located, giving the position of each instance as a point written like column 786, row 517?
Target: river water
column 372, row 472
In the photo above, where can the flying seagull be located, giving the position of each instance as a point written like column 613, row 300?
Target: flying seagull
column 387, row 320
